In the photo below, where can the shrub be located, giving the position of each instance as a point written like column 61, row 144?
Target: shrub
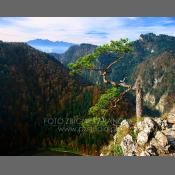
column 121, row 133
column 118, row 150
column 133, row 134
column 95, row 124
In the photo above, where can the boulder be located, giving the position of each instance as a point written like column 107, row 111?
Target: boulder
column 170, row 134
column 161, row 138
column 142, row 138
column 144, row 153
column 139, row 126
column 128, row 146
column 148, row 125
column 161, row 150
column 171, row 141
column 162, row 124
column 154, row 143
column 124, row 123
column 171, row 118
column 173, row 126
column 149, row 151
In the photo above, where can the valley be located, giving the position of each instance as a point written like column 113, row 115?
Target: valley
column 36, row 86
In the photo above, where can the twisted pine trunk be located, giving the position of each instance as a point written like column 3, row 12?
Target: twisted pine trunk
column 137, row 87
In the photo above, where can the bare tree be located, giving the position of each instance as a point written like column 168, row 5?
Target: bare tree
column 139, row 97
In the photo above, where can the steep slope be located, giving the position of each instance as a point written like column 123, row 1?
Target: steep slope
column 146, row 47
column 33, row 86
column 75, row 52
column 158, row 74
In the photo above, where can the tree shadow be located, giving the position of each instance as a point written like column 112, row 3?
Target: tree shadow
column 147, row 111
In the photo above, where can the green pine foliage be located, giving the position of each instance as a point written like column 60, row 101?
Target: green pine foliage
column 120, row 47
column 100, row 108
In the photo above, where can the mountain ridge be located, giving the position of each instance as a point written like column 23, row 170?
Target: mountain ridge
column 50, row 46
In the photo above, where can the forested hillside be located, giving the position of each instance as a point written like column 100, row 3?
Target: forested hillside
column 34, row 86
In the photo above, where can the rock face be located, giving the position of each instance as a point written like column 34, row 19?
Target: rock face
column 161, row 139
column 150, row 137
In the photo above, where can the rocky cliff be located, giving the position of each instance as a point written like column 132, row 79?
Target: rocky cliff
column 147, row 137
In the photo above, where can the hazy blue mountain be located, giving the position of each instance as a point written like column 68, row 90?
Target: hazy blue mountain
column 50, row 46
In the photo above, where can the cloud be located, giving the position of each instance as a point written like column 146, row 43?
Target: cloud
column 96, row 30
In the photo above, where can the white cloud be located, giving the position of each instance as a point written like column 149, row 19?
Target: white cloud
column 76, row 29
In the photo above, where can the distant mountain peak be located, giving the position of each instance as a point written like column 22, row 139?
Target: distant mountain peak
column 49, row 46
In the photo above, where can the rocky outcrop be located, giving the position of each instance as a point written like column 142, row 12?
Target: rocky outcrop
column 149, row 137
column 128, row 145
column 142, row 138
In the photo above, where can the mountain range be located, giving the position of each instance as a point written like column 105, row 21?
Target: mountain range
column 48, row 46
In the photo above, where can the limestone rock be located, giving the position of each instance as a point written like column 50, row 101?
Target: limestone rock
column 149, row 151
column 148, row 98
column 115, row 138
column 144, row 153
column 128, row 146
column 139, row 126
column 170, row 134
column 124, row 123
column 161, row 143
column 161, row 138
column 142, row 138
column 148, row 125
column 154, row 137
column 173, row 126
column 161, row 150
column 162, row 104
column 162, row 124
column 154, row 143
column 171, row 117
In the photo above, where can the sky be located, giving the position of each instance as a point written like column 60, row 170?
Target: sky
column 94, row 30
